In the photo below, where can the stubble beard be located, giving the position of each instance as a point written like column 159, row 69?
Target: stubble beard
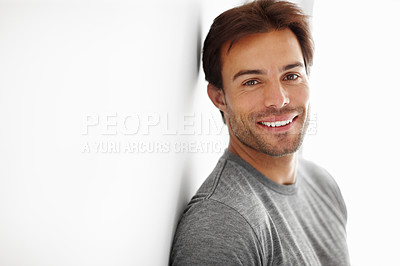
column 244, row 128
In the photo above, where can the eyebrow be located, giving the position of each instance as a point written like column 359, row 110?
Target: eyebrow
column 248, row 72
column 259, row 71
column 290, row 66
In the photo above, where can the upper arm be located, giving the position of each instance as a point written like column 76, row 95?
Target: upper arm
column 211, row 233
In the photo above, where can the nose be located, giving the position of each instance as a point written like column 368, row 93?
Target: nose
column 275, row 95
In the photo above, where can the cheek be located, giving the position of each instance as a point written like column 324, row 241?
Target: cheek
column 300, row 96
column 245, row 103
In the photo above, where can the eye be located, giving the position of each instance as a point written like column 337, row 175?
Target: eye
column 291, row 77
column 251, row 82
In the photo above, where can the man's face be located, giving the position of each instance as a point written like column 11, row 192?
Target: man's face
column 266, row 92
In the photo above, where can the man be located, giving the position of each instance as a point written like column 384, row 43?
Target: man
column 262, row 204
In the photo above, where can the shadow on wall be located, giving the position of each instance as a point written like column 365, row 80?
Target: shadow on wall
column 184, row 192
column 185, row 185
column 194, row 59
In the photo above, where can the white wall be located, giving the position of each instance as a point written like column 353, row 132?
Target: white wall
column 75, row 78
column 83, row 82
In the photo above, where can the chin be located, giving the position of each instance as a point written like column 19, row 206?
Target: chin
column 274, row 146
column 278, row 150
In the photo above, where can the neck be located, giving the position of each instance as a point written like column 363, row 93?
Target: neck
column 281, row 170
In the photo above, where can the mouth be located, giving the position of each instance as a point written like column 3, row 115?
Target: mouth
column 278, row 124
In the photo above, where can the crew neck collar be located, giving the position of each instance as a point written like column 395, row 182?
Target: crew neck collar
column 282, row 189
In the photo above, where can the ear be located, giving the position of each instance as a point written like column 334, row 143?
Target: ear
column 217, row 96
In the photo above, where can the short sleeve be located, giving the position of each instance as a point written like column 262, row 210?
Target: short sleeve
column 212, row 233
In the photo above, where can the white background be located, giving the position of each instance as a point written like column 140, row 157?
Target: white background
column 76, row 74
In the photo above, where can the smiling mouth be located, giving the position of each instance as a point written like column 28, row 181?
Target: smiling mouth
column 277, row 123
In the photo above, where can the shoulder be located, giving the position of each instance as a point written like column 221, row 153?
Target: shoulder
column 317, row 175
column 213, row 233
column 322, row 183
column 221, row 224
column 210, row 215
column 232, row 186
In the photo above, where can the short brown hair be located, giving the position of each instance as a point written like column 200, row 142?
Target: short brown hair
column 259, row 16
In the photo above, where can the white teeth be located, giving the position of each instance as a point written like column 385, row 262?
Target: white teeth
column 277, row 123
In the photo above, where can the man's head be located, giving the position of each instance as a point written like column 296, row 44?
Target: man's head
column 260, row 16
column 256, row 58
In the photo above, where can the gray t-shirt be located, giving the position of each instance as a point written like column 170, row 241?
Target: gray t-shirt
column 240, row 217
